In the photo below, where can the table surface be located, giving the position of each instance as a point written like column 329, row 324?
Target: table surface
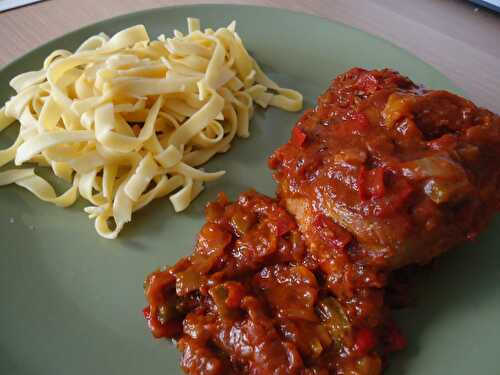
column 455, row 36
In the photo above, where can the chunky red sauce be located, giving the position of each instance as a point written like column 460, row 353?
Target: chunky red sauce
column 380, row 174
column 252, row 299
column 407, row 173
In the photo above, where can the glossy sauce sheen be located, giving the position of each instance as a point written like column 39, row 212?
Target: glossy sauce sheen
column 407, row 173
column 253, row 300
column 379, row 175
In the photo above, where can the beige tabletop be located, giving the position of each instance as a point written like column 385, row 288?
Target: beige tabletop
column 456, row 37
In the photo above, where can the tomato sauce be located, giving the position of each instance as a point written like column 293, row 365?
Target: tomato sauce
column 381, row 174
column 408, row 172
column 252, row 299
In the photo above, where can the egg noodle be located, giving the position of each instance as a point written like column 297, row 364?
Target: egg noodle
column 127, row 119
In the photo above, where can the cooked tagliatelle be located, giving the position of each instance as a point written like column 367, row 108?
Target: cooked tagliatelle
column 127, row 119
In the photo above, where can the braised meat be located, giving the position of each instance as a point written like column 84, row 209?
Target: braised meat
column 381, row 174
column 401, row 172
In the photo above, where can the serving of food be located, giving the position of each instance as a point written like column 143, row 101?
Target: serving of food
column 381, row 174
column 253, row 298
column 127, row 120
column 407, row 172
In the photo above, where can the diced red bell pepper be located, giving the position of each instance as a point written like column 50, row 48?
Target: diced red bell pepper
column 365, row 341
column 361, row 182
column 298, row 136
column 274, row 161
column 371, row 183
column 367, row 83
column 358, row 124
column 146, row 312
column 284, row 225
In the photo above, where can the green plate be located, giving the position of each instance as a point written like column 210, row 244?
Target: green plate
column 71, row 301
